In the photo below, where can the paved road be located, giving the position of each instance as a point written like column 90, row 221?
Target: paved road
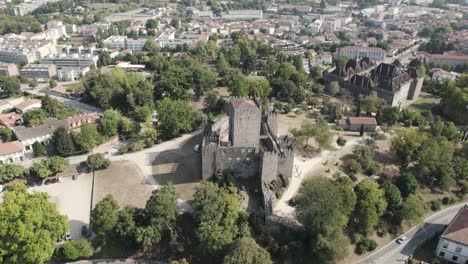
column 73, row 103
column 394, row 253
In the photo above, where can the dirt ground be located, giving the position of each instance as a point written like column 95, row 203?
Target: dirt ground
column 181, row 166
column 72, row 198
column 125, row 182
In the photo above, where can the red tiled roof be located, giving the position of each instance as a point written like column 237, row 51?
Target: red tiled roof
column 362, row 120
column 10, row 119
column 457, row 230
column 27, row 103
column 11, row 147
column 243, row 103
column 361, row 48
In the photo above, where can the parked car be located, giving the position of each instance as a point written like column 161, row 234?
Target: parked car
column 196, row 148
column 75, row 177
column 84, row 231
column 401, row 240
column 60, row 180
column 1, row 188
column 68, row 236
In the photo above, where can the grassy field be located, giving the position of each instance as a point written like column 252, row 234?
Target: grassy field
column 425, row 102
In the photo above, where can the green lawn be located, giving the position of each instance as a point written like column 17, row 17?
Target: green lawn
column 425, row 102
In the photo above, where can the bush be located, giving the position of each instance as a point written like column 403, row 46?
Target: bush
column 357, row 238
column 75, row 249
column 123, row 149
column 435, row 205
column 448, row 200
column 341, row 141
column 366, row 244
column 355, row 167
column 39, row 149
column 136, row 146
column 464, row 188
column 97, row 162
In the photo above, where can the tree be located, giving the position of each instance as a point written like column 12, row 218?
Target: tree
column 247, row 251
column 334, row 88
column 6, row 135
column 325, row 225
column 109, row 123
column 41, row 169
column 64, row 142
column 407, row 184
column 319, row 131
column 216, row 214
column 57, row 164
column 104, row 217
column 52, row 83
column 88, row 138
column 370, row 103
column 388, row 115
column 151, row 23
column 160, row 215
column 9, row 172
column 75, row 249
column 97, row 162
column 30, row 226
column 34, row 117
column 204, row 79
column 143, row 113
column 364, row 155
column 371, row 204
column 455, row 103
column 11, row 87
column 413, row 209
column 407, row 144
column 39, row 149
column 175, row 117
column 237, row 83
column 392, row 195
column 260, row 88
column 435, row 162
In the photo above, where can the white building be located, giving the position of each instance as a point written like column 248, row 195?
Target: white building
column 11, row 152
column 354, row 52
column 28, row 105
column 8, row 69
column 39, row 71
column 453, row 243
column 242, row 15
column 66, row 74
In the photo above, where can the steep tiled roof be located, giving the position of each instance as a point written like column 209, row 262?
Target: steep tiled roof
column 240, row 103
column 362, row 120
column 457, row 230
column 11, row 147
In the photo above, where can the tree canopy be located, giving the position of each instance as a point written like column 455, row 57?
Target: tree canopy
column 30, row 226
column 247, row 251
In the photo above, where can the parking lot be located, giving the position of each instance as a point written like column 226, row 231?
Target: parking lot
column 73, row 199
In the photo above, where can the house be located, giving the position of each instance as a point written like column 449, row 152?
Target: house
column 25, row 106
column 44, row 133
column 11, row 120
column 355, row 52
column 368, row 124
column 453, row 243
column 11, row 152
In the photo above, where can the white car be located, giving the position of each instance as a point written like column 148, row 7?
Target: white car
column 196, row 148
column 401, row 240
column 1, row 188
column 68, row 236
column 60, row 180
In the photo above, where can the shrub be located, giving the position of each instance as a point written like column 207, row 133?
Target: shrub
column 136, row 146
column 341, row 141
column 464, row 188
column 123, row 149
column 448, row 200
column 435, row 205
column 355, row 167
column 39, row 149
column 357, row 238
column 76, row 249
column 97, row 162
column 366, row 244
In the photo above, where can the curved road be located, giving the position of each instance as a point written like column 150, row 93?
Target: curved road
column 394, row 253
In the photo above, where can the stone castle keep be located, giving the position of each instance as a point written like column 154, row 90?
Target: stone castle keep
column 250, row 148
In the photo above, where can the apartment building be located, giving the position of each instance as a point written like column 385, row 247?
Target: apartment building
column 11, row 152
column 39, row 71
column 72, row 60
column 8, row 69
column 354, row 52
column 242, row 15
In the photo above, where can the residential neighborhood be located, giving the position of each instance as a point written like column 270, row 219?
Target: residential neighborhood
column 234, row 132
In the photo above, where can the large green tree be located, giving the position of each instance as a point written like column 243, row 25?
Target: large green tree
column 30, row 226
column 34, row 117
column 64, row 143
column 325, row 224
column 413, row 209
column 247, row 251
column 160, row 215
column 9, row 172
column 104, row 217
column 216, row 215
column 319, row 131
column 175, row 117
column 371, row 204
column 109, row 123
column 407, row 144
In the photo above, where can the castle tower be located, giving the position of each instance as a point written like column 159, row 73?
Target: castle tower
column 244, row 122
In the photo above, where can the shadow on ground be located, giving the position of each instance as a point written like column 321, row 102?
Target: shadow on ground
column 181, row 166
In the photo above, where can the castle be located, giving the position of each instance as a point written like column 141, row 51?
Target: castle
column 251, row 148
